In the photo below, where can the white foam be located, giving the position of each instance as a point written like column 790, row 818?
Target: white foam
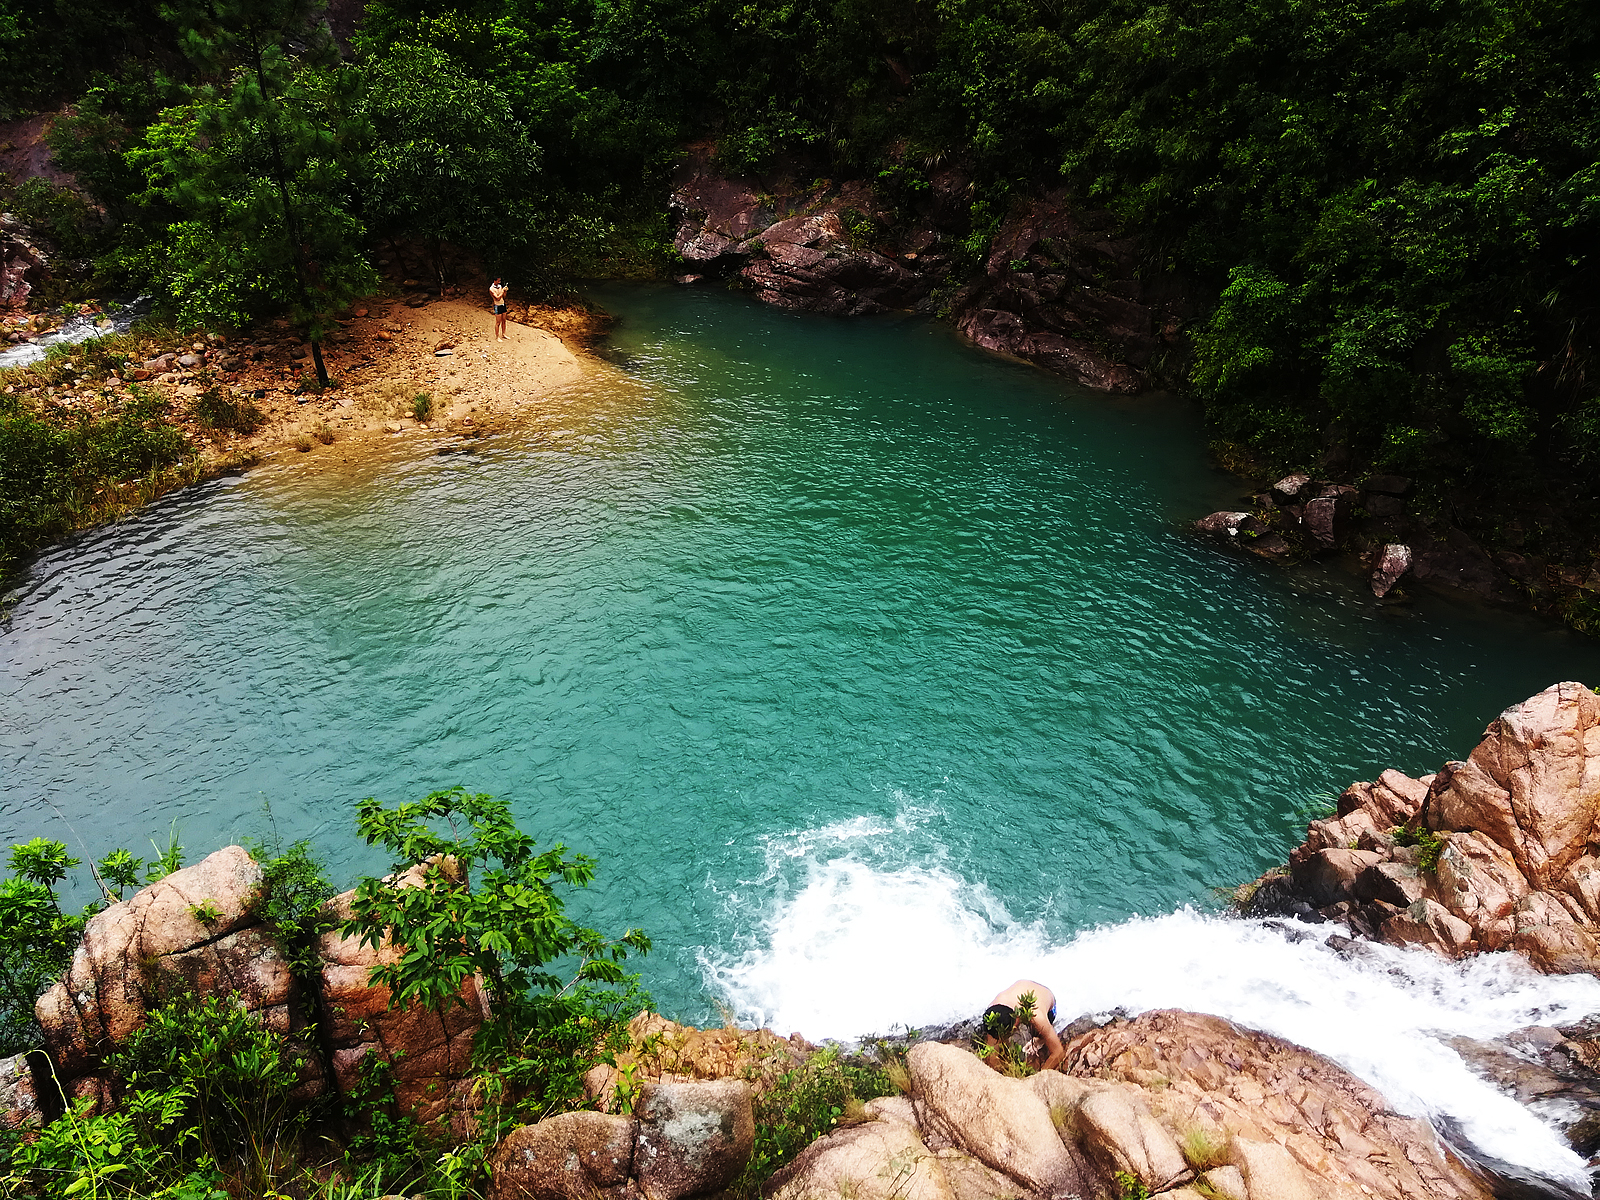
column 858, row 948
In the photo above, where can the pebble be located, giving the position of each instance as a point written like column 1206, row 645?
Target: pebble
column 443, row 353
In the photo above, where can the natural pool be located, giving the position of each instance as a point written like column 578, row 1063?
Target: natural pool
column 869, row 667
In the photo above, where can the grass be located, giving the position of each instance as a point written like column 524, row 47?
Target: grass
column 1202, row 1149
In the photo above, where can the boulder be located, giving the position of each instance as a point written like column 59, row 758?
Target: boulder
column 1390, row 563
column 881, row 1160
column 19, row 1100
column 1271, row 546
column 1426, row 922
column 1290, row 487
column 1269, row 1170
column 1222, row 524
column 1116, row 1128
column 1000, row 1121
column 1532, row 785
column 664, row 1051
column 573, row 1156
column 1389, row 485
column 1329, row 876
column 692, row 1137
column 1265, row 1119
column 1515, row 825
column 139, row 951
column 428, row 1050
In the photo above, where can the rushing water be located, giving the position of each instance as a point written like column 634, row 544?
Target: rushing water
column 873, row 671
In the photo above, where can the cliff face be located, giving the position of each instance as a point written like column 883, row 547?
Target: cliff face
column 1499, row 852
column 1059, row 288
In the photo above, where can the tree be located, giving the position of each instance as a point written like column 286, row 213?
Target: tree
column 448, row 160
column 259, row 162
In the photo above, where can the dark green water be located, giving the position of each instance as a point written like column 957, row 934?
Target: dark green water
column 785, row 620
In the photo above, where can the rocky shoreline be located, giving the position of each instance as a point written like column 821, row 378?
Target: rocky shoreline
column 1064, row 288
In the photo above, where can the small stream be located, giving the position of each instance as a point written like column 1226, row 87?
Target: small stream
column 75, row 331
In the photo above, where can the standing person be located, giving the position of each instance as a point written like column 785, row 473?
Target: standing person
column 497, row 301
column 1000, row 1022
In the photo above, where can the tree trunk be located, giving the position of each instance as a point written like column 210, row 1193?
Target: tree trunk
column 316, row 357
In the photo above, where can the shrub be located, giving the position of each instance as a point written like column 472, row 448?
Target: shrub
column 219, row 408
column 804, row 1104
column 422, row 406
column 1428, row 843
column 36, row 937
column 488, row 906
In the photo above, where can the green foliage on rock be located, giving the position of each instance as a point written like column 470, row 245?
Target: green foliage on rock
column 508, row 926
column 805, row 1103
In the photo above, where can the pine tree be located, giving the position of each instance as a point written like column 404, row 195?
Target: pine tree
column 259, row 161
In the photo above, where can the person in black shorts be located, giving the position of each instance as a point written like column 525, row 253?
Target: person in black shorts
column 497, row 301
column 1000, row 1023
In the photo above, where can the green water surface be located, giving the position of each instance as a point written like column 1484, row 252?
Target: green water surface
column 772, row 588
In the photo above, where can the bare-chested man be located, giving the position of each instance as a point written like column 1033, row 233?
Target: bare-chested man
column 1000, row 1022
column 497, row 300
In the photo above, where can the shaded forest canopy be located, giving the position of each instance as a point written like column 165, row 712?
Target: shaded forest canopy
column 1392, row 206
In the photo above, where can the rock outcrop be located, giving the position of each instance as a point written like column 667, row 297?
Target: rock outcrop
column 1299, row 518
column 1170, row 1104
column 1060, row 287
column 1498, row 852
column 428, row 1051
column 663, row 1051
column 24, row 265
column 196, row 932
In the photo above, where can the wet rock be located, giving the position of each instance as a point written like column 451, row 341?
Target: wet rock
column 1392, row 562
column 1457, row 562
column 1280, row 1121
column 1329, row 875
column 24, row 264
column 1270, row 546
column 1223, row 524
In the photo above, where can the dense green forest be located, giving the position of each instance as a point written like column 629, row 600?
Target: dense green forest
column 1388, row 207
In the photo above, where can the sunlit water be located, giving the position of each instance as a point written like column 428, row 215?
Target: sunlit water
column 872, row 670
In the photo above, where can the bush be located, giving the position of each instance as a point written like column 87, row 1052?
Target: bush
column 36, row 937
column 219, row 408
column 805, row 1104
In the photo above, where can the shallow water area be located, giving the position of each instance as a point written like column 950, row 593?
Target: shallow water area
column 869, row 667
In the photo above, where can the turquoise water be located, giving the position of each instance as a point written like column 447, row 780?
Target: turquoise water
column 826, row 639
